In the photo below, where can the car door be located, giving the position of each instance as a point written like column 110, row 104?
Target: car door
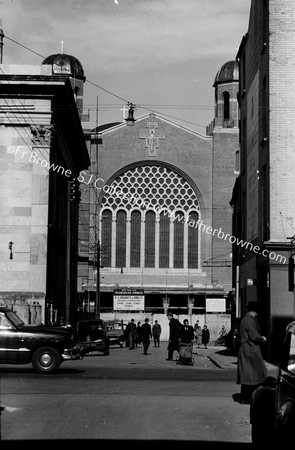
column 286, row 378
column 9, row 342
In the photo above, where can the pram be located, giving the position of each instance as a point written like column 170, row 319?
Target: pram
column 185, row 354
column 220, row 341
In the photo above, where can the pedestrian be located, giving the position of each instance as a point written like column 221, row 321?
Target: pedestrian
column 174, row 336
column 146, row 334
column 156, row 331
column 187, row 333
column 138, row 337
column 251, row 369
column 205, row 336
column 221, row 337
column 130, row 331
column 198, row 333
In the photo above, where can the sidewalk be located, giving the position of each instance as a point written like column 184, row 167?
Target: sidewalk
column 204, row 358
column 222, row 358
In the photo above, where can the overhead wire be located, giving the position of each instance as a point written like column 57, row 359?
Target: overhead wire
column 136, row 106
column 110, row 92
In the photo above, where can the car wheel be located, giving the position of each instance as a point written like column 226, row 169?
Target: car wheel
column 106, row 352
column 285, row 423
column 46, row 360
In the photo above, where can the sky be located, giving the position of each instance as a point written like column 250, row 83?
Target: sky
column 160, row 55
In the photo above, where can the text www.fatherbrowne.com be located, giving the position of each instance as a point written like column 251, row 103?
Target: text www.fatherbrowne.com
column 222, row 235
column 35, row 159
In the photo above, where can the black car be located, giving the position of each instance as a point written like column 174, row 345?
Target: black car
column 44, row 347
column 115, row 332
column 92, row 335
column 272, row 411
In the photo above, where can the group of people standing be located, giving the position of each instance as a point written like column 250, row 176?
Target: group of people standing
column 202, row 335
column 251, row 369
column 142, row 334
column 186, row 334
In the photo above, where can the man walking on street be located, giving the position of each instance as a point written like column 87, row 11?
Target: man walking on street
column 146, row 334
column 174, row 335
column 156, row 333
column 130, row 331
column 187, row 333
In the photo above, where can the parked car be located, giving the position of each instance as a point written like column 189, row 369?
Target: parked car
column 272, row 411
column 92, row 335
column 45, row 347
column 115, row 332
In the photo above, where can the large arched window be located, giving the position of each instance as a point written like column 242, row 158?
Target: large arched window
column 149, row 204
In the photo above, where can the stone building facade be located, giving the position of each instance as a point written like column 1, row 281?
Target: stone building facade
column 42, row 151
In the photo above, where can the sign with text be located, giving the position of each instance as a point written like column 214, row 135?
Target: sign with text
column 128, row 300
column 215, row 305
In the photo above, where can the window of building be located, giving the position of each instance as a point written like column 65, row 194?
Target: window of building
column 226, row 105
column 121, row 239
column 106, row 235
column 164, row 240
column 135, row 239
column 193, row 245
column 237, row 162
column 178, row 240
column 150, row 222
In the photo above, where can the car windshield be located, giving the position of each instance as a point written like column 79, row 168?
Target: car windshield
column 13, row 317
column 114, row 325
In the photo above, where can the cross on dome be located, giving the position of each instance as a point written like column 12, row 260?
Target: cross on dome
column 62, row 42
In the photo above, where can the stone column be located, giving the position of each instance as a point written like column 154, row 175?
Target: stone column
column 190, row 305
column 166, row 303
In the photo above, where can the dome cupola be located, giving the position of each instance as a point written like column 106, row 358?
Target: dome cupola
column 65, row 64
column 228, row 73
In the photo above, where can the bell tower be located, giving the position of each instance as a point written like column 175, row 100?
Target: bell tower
column 224, row 130
column 226, row 86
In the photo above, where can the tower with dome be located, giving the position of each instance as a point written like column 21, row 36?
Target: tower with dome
column 63, row 64
column 224, row 130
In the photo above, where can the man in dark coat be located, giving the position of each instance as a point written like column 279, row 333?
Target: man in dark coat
column 174, row 335
column 130, row 332
column 205, row 336
column 187, row 333
column 251, row 369
column 156, row 333
column 146, row 335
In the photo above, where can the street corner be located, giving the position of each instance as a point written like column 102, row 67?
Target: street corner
column 221, row 356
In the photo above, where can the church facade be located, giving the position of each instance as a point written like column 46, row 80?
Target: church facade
column 154, row 206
